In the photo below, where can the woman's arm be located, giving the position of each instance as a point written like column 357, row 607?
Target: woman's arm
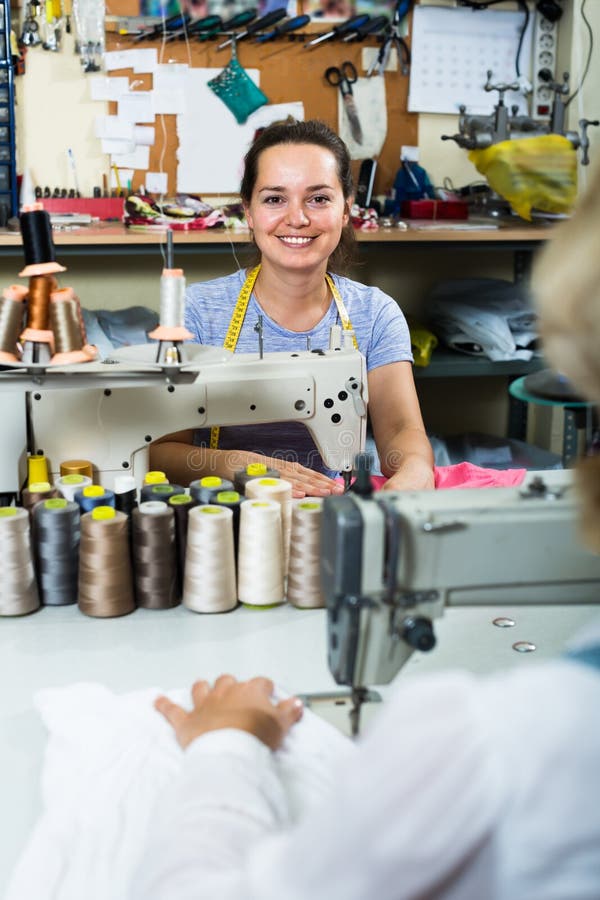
column 182, row 462
column 404, row 450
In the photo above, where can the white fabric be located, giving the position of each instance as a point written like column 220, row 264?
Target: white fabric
column 108, row 758
column 464, row 789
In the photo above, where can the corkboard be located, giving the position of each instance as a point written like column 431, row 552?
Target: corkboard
column 288, row 72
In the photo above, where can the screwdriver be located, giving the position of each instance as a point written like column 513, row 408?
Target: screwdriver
column 290, row 25
column 204, row 24
column 242, row 18
column 171, row 24
column 270, row 19
column 351, row 24
column 372, row 27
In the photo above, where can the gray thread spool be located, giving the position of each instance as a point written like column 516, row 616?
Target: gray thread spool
column 57, row 536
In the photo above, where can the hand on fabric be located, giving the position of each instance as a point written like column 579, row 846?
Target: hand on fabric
column 305, row 482
column 415, row 474
column 245, row 705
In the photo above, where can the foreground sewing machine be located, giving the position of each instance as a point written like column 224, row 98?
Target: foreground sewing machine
column 109, row 412
column 392, row 562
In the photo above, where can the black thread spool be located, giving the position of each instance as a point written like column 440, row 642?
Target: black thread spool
column 232, row 500
column 38, row 246
column 181, row 505
column 204, row 490
column 160, row 492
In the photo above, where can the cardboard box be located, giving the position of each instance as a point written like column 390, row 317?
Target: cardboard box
column 103, row 208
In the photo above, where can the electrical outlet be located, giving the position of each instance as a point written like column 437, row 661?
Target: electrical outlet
column 543, row 65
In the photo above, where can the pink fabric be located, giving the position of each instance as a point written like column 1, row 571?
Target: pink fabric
column 467, row 475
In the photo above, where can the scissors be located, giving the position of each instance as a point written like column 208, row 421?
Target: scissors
column 344, row 77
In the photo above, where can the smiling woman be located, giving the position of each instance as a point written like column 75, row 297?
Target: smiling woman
column 297, row 193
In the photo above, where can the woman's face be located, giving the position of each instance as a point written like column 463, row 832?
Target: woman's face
column 297, row 209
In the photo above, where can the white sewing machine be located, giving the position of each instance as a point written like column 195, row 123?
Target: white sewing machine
column 109, row 412
column 392, row 562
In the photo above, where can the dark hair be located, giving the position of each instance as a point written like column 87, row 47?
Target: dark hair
column 321, row 135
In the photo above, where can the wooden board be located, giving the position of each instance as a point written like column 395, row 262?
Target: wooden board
column 288, row 73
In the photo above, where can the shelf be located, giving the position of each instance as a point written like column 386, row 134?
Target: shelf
column 449, row 364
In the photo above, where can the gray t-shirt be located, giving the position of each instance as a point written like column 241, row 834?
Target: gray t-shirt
column 379, row 325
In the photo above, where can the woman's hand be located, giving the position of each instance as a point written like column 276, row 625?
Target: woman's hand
column 415, row 474
column 305, row 482
column 245, row 705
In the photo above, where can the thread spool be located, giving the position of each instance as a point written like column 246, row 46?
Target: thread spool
column 93, row 496
column 155, row 477
column 154, row 556
column 40, row 490
column 181, row 505
column 37, row 469
column 252, row 470
column 77, row 467
column 280, row 490
column 204, row 490
column 209, row 579
column 68, row 485
column 57, row 534
column 18, row 586
column 304, row 574
column 232, row 500
column 38, row 246
column 105, row 574
column 125, row 493
column 160, row 492
column 12, row 310
column 66, row 324
column 260, row 554
column 172, row 308
column 37, row 337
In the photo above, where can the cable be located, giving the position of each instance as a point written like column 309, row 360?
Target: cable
column 485, row 4
column 589, row 57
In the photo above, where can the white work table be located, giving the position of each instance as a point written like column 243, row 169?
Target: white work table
column 170, row 649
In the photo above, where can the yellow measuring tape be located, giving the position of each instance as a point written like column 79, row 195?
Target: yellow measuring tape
column 239, row 314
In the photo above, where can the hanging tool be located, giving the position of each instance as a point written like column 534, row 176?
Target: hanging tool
column 171, row 24
column 372, row 27
column 242, row 18
column 290, row 25
column 343, row 78
column 393, row 38
column 30, row 35
column 205, row 24
column 351, row 24
column 270, row 19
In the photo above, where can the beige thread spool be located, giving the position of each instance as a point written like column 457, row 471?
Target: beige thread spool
column 304, row 575
column 281, row 491
column 209, row 576
column 18, row 585
column 260, row 554
column 105, row 576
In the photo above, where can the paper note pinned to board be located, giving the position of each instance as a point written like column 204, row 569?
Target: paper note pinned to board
column 156, row 182
column 211, row 143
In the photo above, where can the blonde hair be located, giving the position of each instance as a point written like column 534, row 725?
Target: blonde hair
column 566, row 289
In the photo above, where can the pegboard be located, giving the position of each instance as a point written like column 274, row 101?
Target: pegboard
column 288, row 73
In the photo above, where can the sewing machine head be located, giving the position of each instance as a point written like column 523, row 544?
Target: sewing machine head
column 392, row 562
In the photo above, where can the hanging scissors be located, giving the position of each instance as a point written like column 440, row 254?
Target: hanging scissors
column 344, row 77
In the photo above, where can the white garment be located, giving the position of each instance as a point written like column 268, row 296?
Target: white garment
column 107, row 759
column 465, row 789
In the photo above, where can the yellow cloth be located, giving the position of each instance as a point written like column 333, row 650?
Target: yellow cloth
column 539, row 172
